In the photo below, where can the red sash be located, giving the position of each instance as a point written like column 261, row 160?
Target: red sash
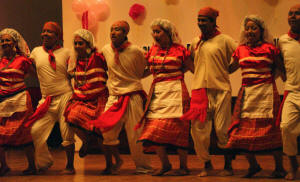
column 40, row 112
column 278, row 118
column 198, row 107
column 107, row 120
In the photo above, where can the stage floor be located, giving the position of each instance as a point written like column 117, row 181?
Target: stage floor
column 88, row 169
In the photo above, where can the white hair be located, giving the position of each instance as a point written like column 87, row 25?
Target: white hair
column 85, row 35
column 89, row 38
column 266, row 37
column 168, row 27
column 21, row 45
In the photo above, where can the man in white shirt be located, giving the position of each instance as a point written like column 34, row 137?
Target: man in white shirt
column 290, row 120
column 51, row 66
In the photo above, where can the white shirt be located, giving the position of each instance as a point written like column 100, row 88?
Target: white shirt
column 126, row 76
column 290, row 50
column 52, row 82
column 211, row 60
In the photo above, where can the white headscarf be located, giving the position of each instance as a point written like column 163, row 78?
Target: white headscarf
column 169, row 27
column 22, row 47
column 88, row 37
column 266, row 37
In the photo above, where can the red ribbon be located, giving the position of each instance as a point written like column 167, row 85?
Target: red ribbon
column 51, row 56
column 85, row 20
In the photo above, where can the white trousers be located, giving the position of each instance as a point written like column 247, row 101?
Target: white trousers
column 132, row 115
column 42, row 128
column 290, row 123
column 219, row 112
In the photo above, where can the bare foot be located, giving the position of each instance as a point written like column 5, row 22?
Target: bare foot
column 208, row 168
column 117, row 166
column 291, row 175
column 163, row 170
column 68, row 171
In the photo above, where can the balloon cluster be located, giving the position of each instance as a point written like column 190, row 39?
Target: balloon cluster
column 96, row 10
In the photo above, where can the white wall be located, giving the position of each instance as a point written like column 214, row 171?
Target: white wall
column 184, row 16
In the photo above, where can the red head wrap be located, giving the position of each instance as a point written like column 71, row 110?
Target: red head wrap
column 209, row 12
column 297, row 6
column 122, row 24
column 55, row 28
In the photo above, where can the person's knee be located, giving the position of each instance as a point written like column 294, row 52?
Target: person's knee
column 35, row 131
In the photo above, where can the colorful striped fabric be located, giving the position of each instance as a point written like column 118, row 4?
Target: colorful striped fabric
column 167, row 64
column 12, row 76
column 256, row 63
column 90, row 77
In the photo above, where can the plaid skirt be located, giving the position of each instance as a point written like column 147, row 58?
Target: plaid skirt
column 254, row 134
column 167, row 131
column 12, row 130
column 78, row 113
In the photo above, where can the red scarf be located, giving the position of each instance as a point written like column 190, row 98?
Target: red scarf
column 206, row 37
column 295, row 36
column 117, row 50
column 198, row 106
column 51, row 55
column 40, row 112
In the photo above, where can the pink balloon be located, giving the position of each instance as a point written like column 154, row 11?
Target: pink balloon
column 92, row 19
column 79, row 6
column 100, row 8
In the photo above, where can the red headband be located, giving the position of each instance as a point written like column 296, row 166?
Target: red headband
column 297, row 6
column 209, row 12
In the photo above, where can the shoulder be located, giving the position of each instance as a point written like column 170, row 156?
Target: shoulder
column 106, row 48
column 63, row 50
column 37, row 49
column 226, row 38
column 195, row 40
column 135, row 48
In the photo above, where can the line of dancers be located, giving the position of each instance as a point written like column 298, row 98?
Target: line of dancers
column 94, row 93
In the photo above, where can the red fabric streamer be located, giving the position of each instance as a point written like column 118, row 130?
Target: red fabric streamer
column 198, row 107
column 40, row 112
column 278, row 118
column 85, row 20
column 51, row 56
column 136, row 10
column 117, row 50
